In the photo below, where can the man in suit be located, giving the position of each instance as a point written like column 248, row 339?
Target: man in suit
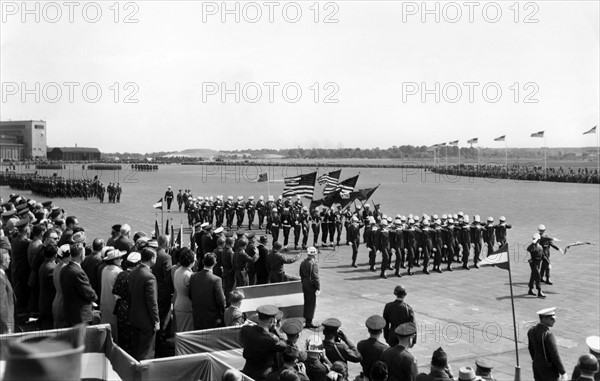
column 162, row 272
column 7, row 296
column 311, row 286
column 143, row 306
column 78, row 293
column 547, row 365
column 275, row 262
column 124, row 243
column 206, row 293
column 20, row 269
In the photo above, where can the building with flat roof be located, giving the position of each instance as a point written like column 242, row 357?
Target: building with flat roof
column 73, row 154
column 23, row 139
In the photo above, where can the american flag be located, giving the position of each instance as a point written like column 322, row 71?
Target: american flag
column 302, row 185
column 330, row 180
column 347, row 185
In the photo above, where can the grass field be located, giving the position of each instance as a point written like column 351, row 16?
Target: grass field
column 465, row 312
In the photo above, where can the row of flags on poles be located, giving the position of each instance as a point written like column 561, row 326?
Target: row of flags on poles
column 539, row 134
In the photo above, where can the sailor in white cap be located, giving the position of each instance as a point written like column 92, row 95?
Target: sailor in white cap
column 250, row 207
column 311, row 285
column 169, row 198
column 547, row 365
column 535, row 251
column 229, row 208
column 261, row 210
column 546, row 242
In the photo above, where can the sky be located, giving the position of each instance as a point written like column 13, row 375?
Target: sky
column 147, row 76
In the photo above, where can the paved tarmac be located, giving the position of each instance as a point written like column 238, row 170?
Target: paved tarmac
column 467, row 313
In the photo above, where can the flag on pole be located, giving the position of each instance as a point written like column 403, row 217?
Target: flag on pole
column 347, row 185
column 179, row 240
column 262, row 177
column 473, row 141
column 172, row 235
column 453, row 143
column 539, row 134
column 591, row 131
column 498, row 258
column 330, row 180
column 302, row 185
column 156, row 229
column 159, row 204
column 442, row 144
column 500, row 138
column 366, row 194
column 167, row 230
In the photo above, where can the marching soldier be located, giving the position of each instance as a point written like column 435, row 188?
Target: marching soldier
column 489, row 235
column 286, row 224
column 275, row 224
column 501, row 231
column 465, row 241
column 219, row 207
column 239, row 211
column 324, row 226
column 179, row 199
column 250, row 210
column 229, row 211
column 477, row 239
column 353, row 230
column 315, row 218
column 270, row 205
column 384, row 243
column 261, row 209
column 169, row 198
column 304, row 219
column 426, row 244
column 410, row 242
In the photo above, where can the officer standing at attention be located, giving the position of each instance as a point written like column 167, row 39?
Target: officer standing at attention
column 547, row 365
column 396, row 313
column 261, row 344
column 169, row 198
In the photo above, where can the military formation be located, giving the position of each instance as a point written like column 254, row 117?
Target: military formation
column 404, row 242
column 59, row 187
column 523, row 173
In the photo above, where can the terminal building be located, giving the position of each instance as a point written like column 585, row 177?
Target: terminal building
column 74, row 154
column 23, row 140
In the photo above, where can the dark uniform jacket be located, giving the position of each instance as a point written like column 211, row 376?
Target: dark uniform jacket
column 396, row 313
column 547, row 365
column 402, row 366
column 434, row 375
column 340, row 351
column 260, row 348
column 371, row 350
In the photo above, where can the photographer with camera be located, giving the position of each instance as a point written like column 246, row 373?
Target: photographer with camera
column 337, row 346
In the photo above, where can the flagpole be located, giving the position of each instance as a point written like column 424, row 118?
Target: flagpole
column 506, row 157
column 545, row 168
column 512, row 303
column 161, row 221
column 458, row 155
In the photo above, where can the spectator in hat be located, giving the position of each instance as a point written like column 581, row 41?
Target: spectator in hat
column 261, row 344
column 467, row 374
column 233, row 314
column 317, row 364
column 275, row 262
column 400, row 362
column 78, row 294
column 181, row 281
column 206, row 293
column 108, row 300
column 143, row 306
column 58, row 311
column 593, row 343
column 311, row 285
column 396, row 313
column 588, row 367
column 338, row 347
column 547, row 365
column 484, row 369
column 47, row 292
column 35, row 256
column 440, row 370
column 121, row 289
column 20, row 270
column 371, row 348
column 7, row 296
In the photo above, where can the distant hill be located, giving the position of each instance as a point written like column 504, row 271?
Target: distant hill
column 197, row 152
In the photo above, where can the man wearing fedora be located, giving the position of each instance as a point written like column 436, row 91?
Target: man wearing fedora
column 547, row 365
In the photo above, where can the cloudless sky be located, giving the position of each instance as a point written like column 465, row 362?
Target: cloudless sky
column 376, row 60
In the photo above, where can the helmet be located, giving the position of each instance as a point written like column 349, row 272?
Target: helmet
column 541, row 227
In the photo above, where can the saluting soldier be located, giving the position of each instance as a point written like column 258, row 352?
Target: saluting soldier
column 239, row 211
column 489, row 235
column 501, row 231
column 546, row 242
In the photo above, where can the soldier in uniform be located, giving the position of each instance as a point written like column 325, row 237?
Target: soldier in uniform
column 118, row 191
column 489, row 235
column 477, row 239
column 465, row 241
column 240, row 263
column 240, row 207
column 169, row 198
column 286, row 224
column 315, row 218
column 396, row 313
column 371, row 349
column 546, row 243
column 501, row 231
column 384, row 246
column 179, row 199
column 401, row 363
column 547, row 365
column 438, row 243
column 229, row 211
column 427, row 244
column 324, row 226
column 535, row 250
column 261, row 344
column 338, row 223
column 261, row 211
column 311, row 285
column 275, row 224
column 338, row 346
column 410, row 242
column 593, row 343
column 219, row 208
column 304, row 221
column 250, row 211
column 354, row 238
